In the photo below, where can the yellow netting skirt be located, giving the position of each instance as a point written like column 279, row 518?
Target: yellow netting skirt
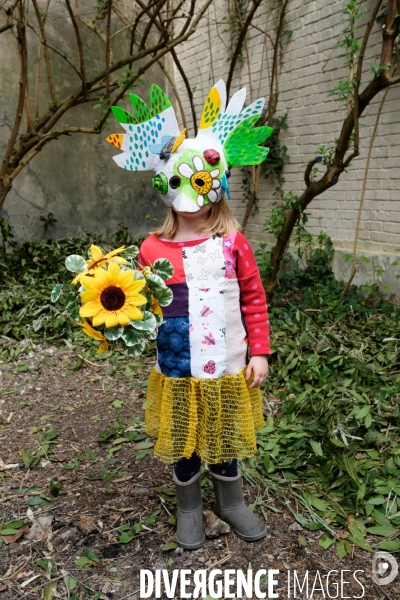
column 216, row 418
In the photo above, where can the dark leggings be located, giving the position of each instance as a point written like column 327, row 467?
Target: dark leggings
column 186, row 468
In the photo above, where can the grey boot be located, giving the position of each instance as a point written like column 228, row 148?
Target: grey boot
column 190, row 529
column 232, row 509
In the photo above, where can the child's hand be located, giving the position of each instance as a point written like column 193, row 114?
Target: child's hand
column 258, row 365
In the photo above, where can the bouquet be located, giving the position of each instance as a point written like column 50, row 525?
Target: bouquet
column 118, row 300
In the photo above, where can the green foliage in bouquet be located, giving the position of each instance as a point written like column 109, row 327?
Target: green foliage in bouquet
column 118, row 301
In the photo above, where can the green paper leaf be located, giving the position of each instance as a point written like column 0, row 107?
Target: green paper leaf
column 75, row 263
column 164, row 268
column 242, row 144
column 113, row 333
column 56, row 292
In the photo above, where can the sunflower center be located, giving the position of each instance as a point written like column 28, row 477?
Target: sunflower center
column 201, row 182
column 112, row 298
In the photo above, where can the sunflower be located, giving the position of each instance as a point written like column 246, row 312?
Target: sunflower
column 112, row 296
column 155, row 307
column 97, row 335
column 98, row 259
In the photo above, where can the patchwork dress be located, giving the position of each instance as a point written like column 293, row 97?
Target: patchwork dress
column 198, row 399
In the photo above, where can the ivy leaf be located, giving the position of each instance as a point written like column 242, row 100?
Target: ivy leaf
column 164, row 268
column 130, row 252
column 113, row 333
column 147, row 324
column 154, row 282
column 75, row 263
column 56, row 292
column 130, row 337
column 137, row 349
column 163, row 296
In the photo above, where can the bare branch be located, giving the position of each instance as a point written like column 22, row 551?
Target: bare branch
column 46, row 51
column 108, row 45
column 79, row 42
column 176, row 93
column 364, row 187
column 246, row 25
column 21, row 33
column 188, row 88
column 274, row 93
column 367, row 33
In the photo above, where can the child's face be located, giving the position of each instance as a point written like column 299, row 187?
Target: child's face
column 202, row 212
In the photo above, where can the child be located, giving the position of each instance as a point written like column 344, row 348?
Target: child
column 203, row 402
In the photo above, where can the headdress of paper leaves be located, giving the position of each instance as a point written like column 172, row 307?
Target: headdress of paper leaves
column 190, row 172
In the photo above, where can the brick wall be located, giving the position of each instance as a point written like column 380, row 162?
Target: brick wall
column 308, row 72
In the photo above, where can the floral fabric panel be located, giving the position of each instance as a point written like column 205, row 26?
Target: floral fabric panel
column 204, row 266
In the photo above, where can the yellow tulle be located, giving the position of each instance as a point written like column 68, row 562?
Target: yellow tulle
column 216, row 418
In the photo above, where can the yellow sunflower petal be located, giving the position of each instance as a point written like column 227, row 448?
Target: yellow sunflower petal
column 78, row 278
column 95, row 252
column 90, row 309
column 133, row 313
column 136, row 299
column 114, row 252
column 90, row 331
column 123, row 318
column 155, row 307
column 103, row 346
column 114, row 272
column 89, row 296
column 100, row 318
column 126, row 278
column 119, row 260
column 111, row 319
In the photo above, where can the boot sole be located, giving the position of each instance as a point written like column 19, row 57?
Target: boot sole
column 246, row 538
column 194, row 546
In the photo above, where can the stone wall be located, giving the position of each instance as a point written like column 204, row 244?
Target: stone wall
column 308, row 72
column 73, row 177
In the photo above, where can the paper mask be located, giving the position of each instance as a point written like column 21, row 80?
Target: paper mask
column 194, row 171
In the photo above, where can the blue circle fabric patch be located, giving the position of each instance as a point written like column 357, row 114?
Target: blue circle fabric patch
column 173, row 347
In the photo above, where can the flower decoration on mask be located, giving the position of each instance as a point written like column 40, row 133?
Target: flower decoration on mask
column 118, row 300
column 205, row 183
column 227, row 137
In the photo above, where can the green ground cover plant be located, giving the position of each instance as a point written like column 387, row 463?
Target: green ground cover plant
column 330, row 450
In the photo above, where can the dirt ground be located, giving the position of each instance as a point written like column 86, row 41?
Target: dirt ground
column 115, row 511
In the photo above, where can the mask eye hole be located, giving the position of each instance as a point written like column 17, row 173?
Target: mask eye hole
column 175, row 182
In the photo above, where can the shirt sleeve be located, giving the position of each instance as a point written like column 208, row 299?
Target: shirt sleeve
column 252, row 297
